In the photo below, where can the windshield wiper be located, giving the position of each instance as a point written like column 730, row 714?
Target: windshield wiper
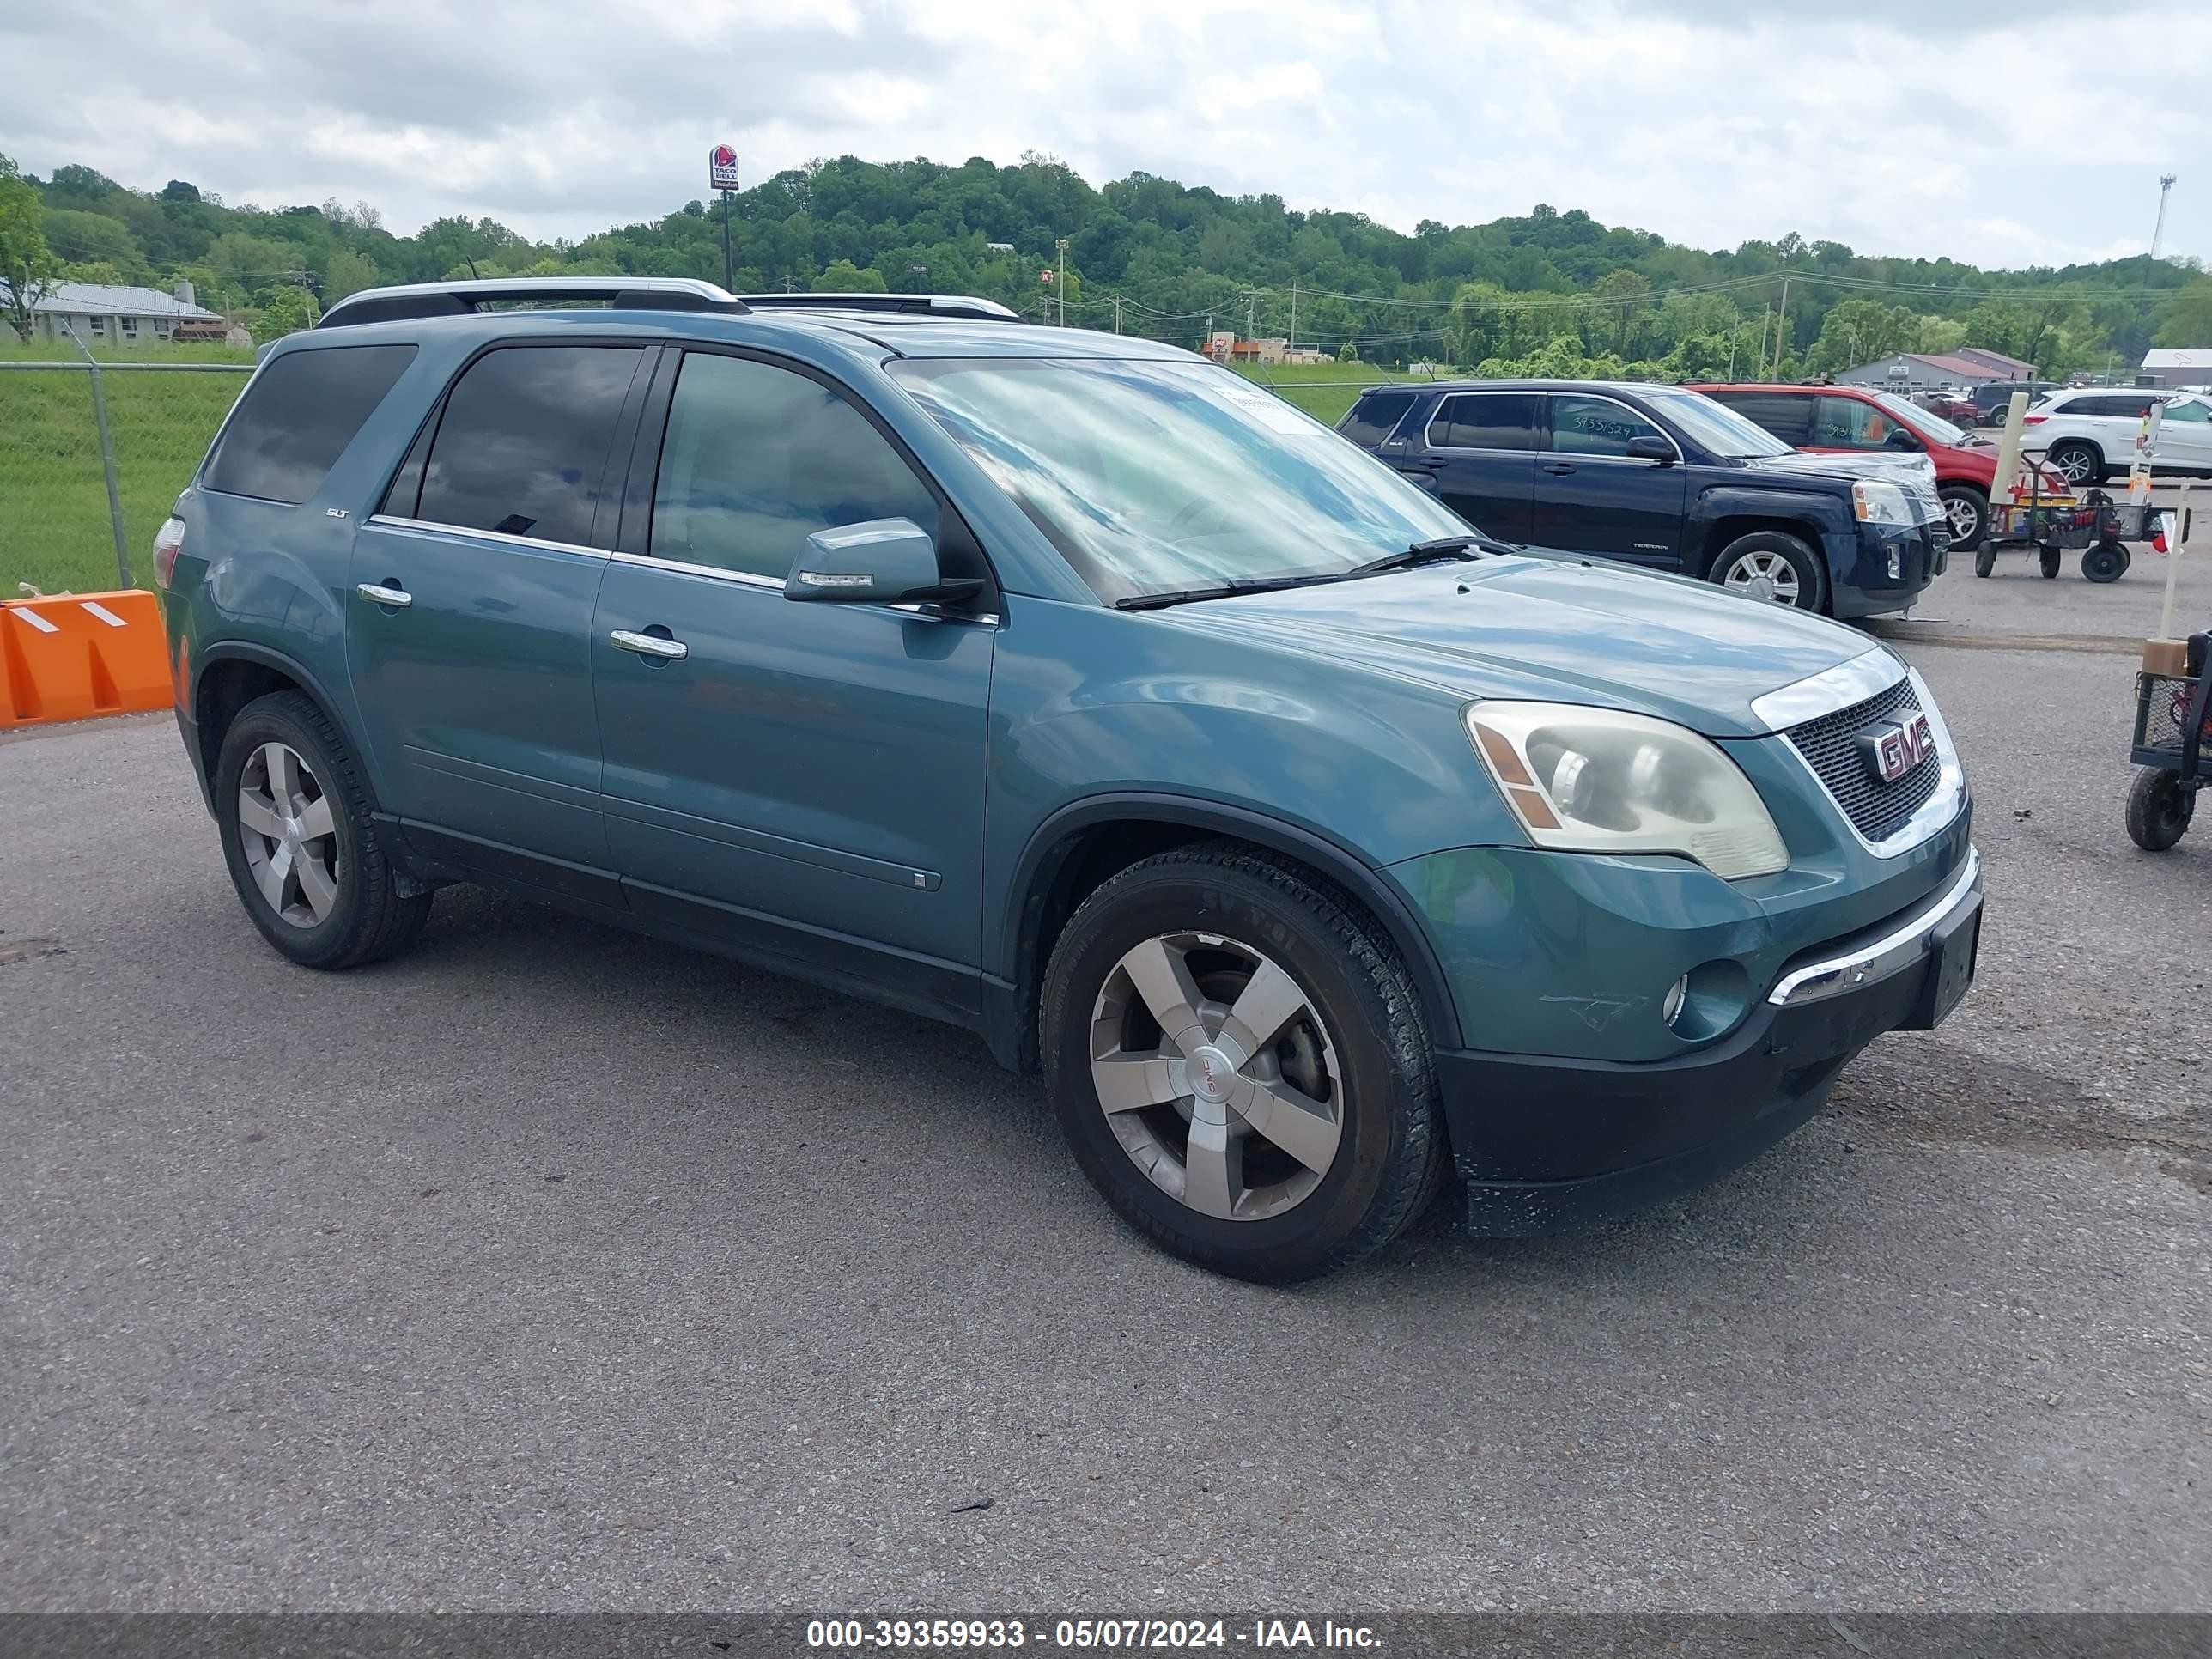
column 1216, row 591
column 1429, row 552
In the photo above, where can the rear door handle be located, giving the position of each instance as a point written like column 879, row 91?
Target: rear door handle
column 650, row 645
column 398, row 598
column 1558, row 467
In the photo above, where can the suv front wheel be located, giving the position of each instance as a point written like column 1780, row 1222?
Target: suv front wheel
column 1240, row 1065
column 1771, row 565
column 296, row 834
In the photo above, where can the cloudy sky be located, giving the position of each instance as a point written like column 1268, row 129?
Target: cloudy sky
column 1994, row 130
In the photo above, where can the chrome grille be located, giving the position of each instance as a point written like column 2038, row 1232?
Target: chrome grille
column 1830, row 746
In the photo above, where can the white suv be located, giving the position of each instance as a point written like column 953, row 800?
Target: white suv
column 2088, row 433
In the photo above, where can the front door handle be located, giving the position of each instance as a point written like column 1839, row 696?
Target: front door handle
column 398, row 598
column 1558, row 467
column 650, row 645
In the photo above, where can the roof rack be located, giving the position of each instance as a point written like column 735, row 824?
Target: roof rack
column 385, row 305
column 912, row 305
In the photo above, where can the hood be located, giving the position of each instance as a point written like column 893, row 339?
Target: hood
column 1895, row 465
column 1556, row 629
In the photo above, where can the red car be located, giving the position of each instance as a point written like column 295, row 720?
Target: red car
column 1848, row 418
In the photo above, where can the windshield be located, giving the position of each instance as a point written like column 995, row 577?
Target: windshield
column 1713, row 426
column 1930, row 425
column 1153, row 477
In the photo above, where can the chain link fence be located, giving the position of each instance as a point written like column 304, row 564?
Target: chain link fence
column 67, row 429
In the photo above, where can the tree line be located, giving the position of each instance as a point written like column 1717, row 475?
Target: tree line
column 1549, row 292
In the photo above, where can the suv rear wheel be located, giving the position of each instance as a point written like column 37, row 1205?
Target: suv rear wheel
column 296, row 834
column 1773, row 565
column 2078, row 461
column 1240, row 1065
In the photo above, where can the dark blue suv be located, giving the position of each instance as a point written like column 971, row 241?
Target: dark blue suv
column 1668, row 479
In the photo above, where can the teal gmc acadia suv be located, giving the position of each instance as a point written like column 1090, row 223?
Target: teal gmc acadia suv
column 1064, row 686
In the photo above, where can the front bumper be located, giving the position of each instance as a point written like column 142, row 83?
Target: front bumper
column 1545, row 1145
column 1859, row 566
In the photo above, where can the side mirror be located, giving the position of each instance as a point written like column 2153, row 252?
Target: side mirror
column 881, row 561
column 1651, row 449
column 1901, row 439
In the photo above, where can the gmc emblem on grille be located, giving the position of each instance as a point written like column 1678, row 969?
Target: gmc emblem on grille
column 1895, row 747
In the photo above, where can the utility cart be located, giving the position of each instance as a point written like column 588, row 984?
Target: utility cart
column 2095, row 523
column 2170, row 736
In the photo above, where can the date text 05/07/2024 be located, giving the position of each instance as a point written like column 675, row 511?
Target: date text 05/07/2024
column 1088, row 1634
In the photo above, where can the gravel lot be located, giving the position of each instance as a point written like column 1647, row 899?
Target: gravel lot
column 548, row 1268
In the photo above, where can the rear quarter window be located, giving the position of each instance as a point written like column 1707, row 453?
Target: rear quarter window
column 1376, row 416
column 297, row 418
column 1786, row 415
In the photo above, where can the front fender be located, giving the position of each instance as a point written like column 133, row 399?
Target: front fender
column 1824, row 515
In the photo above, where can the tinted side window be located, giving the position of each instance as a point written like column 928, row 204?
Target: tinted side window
column 1787, row 416
column 757, row 459
column 1595, row 426
column 2183, row 408
column 1847, row 424
column 298, row 417
column 1486, row 420
column 2130, row 408
column 1375, row 416
column 522, row 447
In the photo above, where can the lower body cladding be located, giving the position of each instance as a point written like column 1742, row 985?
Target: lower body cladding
column 1546, row 1143
column 1879, row 568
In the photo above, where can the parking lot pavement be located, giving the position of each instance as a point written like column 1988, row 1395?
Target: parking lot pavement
column 2014, row 599
column 550, row 1268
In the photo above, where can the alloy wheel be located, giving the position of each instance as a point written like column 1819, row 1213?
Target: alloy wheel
column 288, row 835
column 1217, row 1075
column 1763, row 574
column 2073, row 465
column 1966, row 518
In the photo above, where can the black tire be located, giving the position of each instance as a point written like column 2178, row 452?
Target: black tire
column 2158, row 808
column 1985, row 559
column 1811, row 582
column 1957, row 499
column 2078, row 461
column 1391, row 1146
column 2048, row 560
column 2104, row 562
column 368, row 919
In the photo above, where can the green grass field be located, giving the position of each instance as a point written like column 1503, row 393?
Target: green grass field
column 1325, row 390
column 54, row 530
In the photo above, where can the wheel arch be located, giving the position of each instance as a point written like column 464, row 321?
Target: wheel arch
column 1082, row 844
column 232, row 673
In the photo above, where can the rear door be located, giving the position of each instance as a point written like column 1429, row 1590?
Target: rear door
column 1592, row 497
column 1787, row 414
column 469, row 627
column 1479, row 447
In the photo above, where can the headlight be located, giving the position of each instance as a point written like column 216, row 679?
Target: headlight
column 1877, row 503
column 1593, row 780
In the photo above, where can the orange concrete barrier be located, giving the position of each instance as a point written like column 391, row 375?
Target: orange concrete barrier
column 77, row 655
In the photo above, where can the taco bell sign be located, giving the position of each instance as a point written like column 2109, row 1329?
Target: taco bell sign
column 722, row 168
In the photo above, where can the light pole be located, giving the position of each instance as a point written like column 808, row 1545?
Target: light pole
column 2158, row 232
column 1061, row 287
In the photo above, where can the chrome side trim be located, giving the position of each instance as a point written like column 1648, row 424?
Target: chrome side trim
column 539, row 542
column 1874, row 669
column 1902, row 947
column 714, row 572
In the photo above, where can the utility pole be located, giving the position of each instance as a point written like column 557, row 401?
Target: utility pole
column 1292, row 344
column 1061, row 285
column 2158, row 234
column 1781, row 326
column 1251, row 304
column 1117, row 314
